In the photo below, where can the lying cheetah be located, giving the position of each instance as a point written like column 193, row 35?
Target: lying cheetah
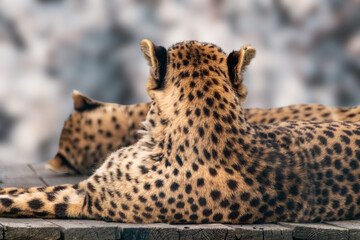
column 96, row 129
column 200, row 161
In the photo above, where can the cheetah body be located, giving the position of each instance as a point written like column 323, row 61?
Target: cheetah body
column 97, row 129
column 200, row 160
column 94, row 130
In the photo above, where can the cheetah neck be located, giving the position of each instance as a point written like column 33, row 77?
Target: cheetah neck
column 206, row 128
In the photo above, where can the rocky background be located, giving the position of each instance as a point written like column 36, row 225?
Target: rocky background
column 307, row 51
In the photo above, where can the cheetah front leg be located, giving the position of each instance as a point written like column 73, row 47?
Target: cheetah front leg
column 63, row 201
column 17, row 191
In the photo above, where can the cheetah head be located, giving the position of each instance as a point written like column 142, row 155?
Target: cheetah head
column 89, row 134
column 196, row 74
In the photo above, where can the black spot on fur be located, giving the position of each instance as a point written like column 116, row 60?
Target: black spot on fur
column 200, row 182
column 90, row 186
column 215, row 195
column 35, row 204
column 159, row 183
column 60, row 210
column 207, row 212
column 178, row 159
column 6, row 202
column 212, row 171
column 225, row 203
column 245, row 196
column 201, row 131
column 329, row 134
column 202, row 201
column 218, row 217
column 50, row 196
column 233, row 215
column 59, row 188
column 178, row 216
column 188, row 188
column 210, row 102
column 232, row 184
column 174, row 186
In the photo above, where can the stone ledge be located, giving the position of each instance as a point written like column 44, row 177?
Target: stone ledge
column 262, row 231
column 317, row 231
column 147, row 231
column 353, row 227
column 30, row 228
column 205, row 231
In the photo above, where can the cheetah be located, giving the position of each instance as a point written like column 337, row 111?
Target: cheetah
column 84, row 144
column 71, row 160
column 200, row 161
column 94, row 130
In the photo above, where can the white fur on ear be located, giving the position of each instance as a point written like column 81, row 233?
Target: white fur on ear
column 148, row 49
column 237, row 62
column 246, row 54
column 83, row 103
column 76, row 92
column 156, row 57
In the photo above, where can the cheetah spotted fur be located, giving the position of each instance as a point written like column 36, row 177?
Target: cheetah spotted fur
column 201, row 161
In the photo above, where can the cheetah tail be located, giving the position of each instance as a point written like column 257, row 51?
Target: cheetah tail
column 64, row 201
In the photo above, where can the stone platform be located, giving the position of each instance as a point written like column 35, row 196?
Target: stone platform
column 35, row 175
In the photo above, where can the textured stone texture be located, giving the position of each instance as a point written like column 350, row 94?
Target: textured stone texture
column 22, row 182
column 29, row 228
column 52, row 178
column 1, row 232
column 33, row 175
column 16, row 171
column 205, row 231
column 275, row 232
column 248, row 232
column 148, row 231
column 353, row 226
column 262, row 231
column 20, row 175
column 317, row 231
column 86, row 229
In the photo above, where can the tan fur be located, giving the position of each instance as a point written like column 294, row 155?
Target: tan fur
column 130, row 117
column 89, row 136
column 133, row 115
column 200, row 160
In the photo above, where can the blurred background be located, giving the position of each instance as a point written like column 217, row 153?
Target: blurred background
column 307, row 51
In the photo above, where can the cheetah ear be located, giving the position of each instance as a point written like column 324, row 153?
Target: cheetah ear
column 156, row 57
column 148, row 49
column 84, row 103
column 237, row 62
